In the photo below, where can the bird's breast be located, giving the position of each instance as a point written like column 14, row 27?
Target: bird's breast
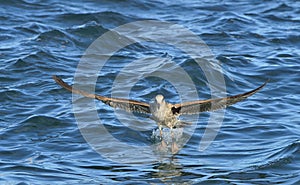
column 162, row 113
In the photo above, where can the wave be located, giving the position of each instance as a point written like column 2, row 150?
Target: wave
column 281, row 156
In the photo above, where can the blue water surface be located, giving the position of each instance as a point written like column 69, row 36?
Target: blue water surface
column 258, row 142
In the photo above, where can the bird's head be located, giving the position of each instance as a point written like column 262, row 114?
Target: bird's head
column 159, row 99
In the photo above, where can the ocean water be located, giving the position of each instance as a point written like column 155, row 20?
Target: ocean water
column 46, row 140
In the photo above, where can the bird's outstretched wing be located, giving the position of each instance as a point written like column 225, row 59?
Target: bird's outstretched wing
column 211, row 104
column 125, row 104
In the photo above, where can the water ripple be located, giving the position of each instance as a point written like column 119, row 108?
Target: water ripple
column 258, row 142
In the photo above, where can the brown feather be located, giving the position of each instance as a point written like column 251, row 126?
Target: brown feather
column 125, row 104
column 212, row 104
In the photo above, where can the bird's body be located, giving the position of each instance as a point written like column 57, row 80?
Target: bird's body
column 163, row 113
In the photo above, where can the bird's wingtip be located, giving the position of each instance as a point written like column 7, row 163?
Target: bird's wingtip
column 267, row 81
column 54, row 77
column 264, row 84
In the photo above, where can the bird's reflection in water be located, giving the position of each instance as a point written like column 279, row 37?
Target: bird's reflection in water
column 168, row 172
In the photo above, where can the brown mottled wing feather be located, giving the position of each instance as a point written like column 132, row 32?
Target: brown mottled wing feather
column 125, row 104
column 211, row 104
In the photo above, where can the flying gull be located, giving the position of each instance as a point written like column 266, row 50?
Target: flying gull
column 165, row 114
